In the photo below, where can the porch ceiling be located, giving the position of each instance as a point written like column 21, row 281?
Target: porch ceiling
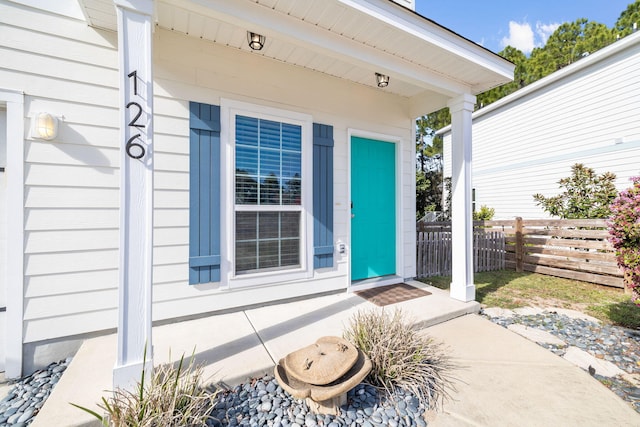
column 349, row 39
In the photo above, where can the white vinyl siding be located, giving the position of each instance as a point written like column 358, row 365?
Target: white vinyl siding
column 71, row 183
column 527, row 145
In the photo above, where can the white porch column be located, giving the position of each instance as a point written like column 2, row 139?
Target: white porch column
column 136, row 191
column 462, row 286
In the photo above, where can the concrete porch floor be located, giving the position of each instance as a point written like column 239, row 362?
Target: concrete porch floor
column 233, row 346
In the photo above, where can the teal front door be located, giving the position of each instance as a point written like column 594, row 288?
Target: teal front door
column 373, row 208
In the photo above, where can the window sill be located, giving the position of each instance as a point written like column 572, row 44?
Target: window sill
column 268, row 278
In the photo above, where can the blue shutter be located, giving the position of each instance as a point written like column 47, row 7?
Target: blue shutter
column 322, row 196
column 204, row 193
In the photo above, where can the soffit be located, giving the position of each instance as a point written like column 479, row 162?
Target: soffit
column 348, row 39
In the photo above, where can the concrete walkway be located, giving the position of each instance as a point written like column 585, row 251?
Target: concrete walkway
column 507, row 380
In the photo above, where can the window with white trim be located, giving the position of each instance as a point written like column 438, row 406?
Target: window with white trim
column 267, row 195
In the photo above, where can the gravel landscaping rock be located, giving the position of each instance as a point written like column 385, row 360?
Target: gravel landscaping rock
column 27, row 395
column 244, row 405
column 617, row 345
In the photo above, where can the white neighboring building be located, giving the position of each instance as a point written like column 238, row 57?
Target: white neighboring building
column 262, row 159
column 587, row 112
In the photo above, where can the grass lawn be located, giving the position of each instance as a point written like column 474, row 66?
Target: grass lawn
column 508, row 289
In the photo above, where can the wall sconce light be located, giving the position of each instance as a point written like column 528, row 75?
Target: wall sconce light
column 45, row 126
column 256, row 41
column 383, row 81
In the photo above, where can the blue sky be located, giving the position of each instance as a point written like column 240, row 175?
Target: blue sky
column 524, row 24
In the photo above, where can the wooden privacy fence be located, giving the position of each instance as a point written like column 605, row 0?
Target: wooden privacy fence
column 434, row 249
column 575, row 249
column 571, row 248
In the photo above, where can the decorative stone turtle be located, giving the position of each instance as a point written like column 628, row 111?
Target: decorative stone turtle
column 323, row 373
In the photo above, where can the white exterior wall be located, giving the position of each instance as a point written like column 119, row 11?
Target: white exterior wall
column 526, row 146
column 72, row 183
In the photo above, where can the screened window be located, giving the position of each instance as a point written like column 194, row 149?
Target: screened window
column 268, row 156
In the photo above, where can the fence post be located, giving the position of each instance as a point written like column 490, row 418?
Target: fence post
column 519, row 246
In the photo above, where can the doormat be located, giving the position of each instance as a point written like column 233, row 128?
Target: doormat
column 391, row 294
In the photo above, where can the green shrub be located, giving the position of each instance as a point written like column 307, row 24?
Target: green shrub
column 484, row 214
column 586, row 195
column 401, row 356
column 173, row 397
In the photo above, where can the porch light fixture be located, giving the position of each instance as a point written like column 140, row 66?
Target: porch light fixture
column 383, row 81
column 255, row 40
column 45, row 126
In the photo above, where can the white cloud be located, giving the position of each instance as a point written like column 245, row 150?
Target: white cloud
column 520, row 36
column 544, row 31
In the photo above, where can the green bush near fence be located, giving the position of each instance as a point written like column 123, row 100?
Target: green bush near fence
column 484, row 214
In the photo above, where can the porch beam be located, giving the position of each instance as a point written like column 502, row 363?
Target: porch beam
column 462, row 286
column 135, row 347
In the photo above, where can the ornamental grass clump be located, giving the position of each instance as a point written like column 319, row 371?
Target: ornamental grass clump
column 624, row 228
column 174, row 397
column 401, row 356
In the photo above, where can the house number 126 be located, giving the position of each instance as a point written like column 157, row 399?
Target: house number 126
column 135, row 149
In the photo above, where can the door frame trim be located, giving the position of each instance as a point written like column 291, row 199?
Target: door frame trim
column 398, row 142
column 14, row 102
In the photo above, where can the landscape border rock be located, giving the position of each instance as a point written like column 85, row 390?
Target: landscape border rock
column 27, row 395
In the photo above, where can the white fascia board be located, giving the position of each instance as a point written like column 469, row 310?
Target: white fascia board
column 413, row 23
column 445, row 130
column 580, row 65
column 268, row 22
